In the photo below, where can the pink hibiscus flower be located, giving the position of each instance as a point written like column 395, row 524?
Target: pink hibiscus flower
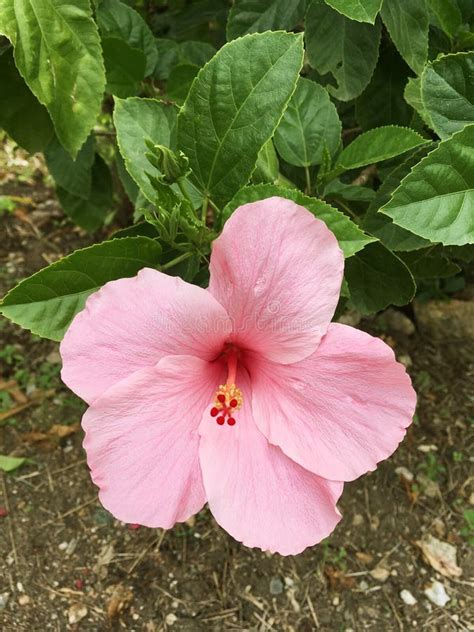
column 244, row 395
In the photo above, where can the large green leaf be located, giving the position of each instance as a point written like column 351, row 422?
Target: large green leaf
column 180, row 81
column 360, row 10
column 116, row 19
column 436, row 199
column 74, row 176
column 267, row 167
column 392, row 236
column 46, row 302
column 429, row 264
column 379, row 144
column 57, row 51
column 21, row 114
column 340, row 46
column 171, row 53
column 447, row 92
column 309, row 126
column 91, row 212
column 448, row 15
column 137, row 119
column 233, row 108
column 377, row 278
column 382, row 102
column 350, row 237
column 407, row 22
column 412, row 95
column 124, row 66
column 252, row 16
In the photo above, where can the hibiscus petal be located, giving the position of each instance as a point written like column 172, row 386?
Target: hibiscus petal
column 259, row 495
column 132, row 323
column 142, row 441
column 278, row 271
column 340, row 411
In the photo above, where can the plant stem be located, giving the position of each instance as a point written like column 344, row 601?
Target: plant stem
column 308, row 180
column 175, row 261
column 204, row 210
column 182, row 188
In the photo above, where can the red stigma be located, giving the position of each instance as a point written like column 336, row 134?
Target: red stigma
column 221, row 398
column 231, row 421
column 220, row 421
column 214, row 412
column 233, row 403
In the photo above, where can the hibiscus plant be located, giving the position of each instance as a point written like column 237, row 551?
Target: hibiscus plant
column 274, row 163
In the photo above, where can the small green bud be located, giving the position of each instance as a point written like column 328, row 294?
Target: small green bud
column 172, row 165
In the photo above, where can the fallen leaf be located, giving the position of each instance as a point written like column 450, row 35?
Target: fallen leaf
column 120, row 600
column 103, row 560
column 11, row 463
column 338, row 579
column 365, row 558
column 62, row 430
column 440, row 555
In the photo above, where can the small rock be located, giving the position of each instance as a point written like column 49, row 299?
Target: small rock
column 363, row 585
column 358, row 520
column 430, row 488
column 4, row 597
column 335, row 601
column 365, row 558
column 53, row 357
column 408, row 598
column 404, row 473
column 380, row 573
column 62, row 546
column 425, row 448
column 276, row 586
column 23, row 600
column 437, row 594
column 76, row 613
column 3, row 512
column 405, row 359
column 171, row 618
column 394, row 320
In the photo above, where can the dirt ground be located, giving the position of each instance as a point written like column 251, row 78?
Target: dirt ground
column 67, row 564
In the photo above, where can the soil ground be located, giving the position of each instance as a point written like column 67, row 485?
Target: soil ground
column 66, row 564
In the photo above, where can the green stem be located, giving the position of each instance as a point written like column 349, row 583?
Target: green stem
column 182, row 188
column 175, row 261
column 308, row 180
column 349, row 211
column 204, row 210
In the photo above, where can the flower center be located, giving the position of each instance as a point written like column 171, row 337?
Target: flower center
column 228, row 398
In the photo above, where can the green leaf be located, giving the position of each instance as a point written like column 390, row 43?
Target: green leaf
column 137, row 119
column 267, row 167
column 425, row 264
column 436, row 199
column 379, row 144
column 392, row 236
column 75, row 176
column 412, row 95
column 124, row 66
column 350, row 237
column 377, row 278
column 352, row 192
column 57, row 51
column 310, row 124
column 171, row 53
column 253, row 16
column 46, row 302
column 407, row 22
column 382, row 102
column 448, row 15
column 90, row 213
column 116, row 19
column 21, row 114
column 447, row 92
column 345, row 48
column 11, row 463
column 233, row 108
column 360, row 10
column 180, row 80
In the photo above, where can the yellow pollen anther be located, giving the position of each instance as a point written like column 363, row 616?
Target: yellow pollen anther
column 229, row 397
